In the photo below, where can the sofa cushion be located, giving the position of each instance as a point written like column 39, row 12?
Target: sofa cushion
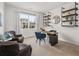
column 4, row 39
column 8, row 35
column 9, row 48
column 12, row 48
column 25, row 49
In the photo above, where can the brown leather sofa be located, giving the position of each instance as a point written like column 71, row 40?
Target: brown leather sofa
column 12, row 48
column 17, row 37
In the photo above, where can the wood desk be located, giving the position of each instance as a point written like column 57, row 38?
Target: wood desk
column 48, row 32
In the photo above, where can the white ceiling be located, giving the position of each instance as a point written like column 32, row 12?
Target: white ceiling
column 37, row 6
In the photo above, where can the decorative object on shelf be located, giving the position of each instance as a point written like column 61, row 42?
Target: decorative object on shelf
column 69, row 17
column 70, row 23
column 56, row 19
column 66, row 18
column 69, row 13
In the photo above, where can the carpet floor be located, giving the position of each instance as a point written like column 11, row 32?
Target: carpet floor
column 60, row 49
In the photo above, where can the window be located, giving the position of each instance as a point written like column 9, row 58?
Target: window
column 27, row 21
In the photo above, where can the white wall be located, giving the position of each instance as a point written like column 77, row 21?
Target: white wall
column 2, row 17
column 11, row 19
column 69, row 34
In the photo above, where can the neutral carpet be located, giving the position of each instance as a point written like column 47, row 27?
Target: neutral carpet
column 60, row 49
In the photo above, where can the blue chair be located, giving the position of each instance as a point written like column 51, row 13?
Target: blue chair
column 40, row 36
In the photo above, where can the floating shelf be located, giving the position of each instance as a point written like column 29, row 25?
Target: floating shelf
column 69, row 20
column 47, row 16
column 70, row 25
column 70, row 15
column 70, row 10
column 47, row 22
column 46, row 19
column 73, row 21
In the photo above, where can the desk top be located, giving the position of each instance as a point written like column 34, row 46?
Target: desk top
column 48, row 32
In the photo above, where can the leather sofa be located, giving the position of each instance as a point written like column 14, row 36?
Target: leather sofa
column 17, row 37
column 12, row 48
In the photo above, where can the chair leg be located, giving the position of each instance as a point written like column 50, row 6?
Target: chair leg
column 48, row 37
column 44, row 41
column 36, row 40
column 39, row 42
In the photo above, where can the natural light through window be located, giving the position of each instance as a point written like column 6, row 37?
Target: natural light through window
column 27, row 20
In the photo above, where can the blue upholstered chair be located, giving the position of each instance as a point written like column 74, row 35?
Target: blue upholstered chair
column 40, row 36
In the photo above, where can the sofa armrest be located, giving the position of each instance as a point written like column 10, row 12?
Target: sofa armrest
column 18, row 35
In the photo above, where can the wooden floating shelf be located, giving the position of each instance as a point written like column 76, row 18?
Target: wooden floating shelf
column 70, row 15
column 47, row 16
column 46, row 19
column 70, row 10
column 70, row 25
column 69, row 20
